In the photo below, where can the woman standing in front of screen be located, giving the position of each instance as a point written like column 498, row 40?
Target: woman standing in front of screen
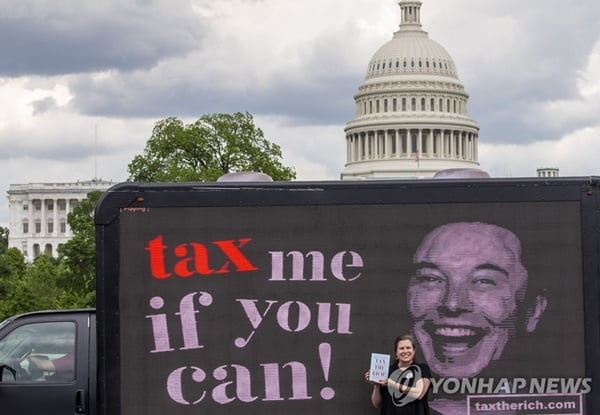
column 404, row 392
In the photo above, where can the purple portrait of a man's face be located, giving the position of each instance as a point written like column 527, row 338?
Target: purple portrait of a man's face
column 466, row 295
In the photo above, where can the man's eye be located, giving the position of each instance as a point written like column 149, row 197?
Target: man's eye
column 429, row 278
column 484, row 282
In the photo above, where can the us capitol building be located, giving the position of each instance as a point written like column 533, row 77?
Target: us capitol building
column 39, row 211
column 411, row 110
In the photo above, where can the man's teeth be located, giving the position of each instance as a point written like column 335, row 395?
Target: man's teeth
column 454, row 332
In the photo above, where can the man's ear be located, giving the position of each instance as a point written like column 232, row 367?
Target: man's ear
column 534, row 313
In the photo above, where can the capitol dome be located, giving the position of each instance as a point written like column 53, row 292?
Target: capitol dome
column 411, row 110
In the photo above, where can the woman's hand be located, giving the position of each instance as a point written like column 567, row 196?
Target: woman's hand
column 380, row 382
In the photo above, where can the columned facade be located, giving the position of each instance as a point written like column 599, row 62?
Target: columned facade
column 38, row 214
column 411, row 143
column 411, row 112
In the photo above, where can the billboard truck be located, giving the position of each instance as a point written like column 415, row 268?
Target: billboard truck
column 270, row 297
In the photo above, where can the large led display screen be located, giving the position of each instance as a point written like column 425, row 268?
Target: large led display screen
column 277, row 309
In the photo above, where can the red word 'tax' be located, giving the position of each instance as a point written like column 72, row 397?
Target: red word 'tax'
column 195, row 258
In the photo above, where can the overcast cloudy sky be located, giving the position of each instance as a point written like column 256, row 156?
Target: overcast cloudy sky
column 70, row 68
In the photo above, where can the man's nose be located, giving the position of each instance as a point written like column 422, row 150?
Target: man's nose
column 456, row 300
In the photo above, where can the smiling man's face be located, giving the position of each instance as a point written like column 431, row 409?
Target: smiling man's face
column 464, row 296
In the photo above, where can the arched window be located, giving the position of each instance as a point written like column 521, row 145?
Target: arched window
column 385, row 105
column 394, row 105
column 432, row 104
column 422, row 104
column 403, row 104
column 413, row 104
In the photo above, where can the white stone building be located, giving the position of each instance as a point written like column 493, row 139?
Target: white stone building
column 411, row 110
column 38, row 214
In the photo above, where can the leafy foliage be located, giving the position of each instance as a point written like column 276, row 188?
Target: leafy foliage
column 28, row 287
column 6, row 265
column 3, row 239
column 35, row 289
column 202, row 151
column 78, row 255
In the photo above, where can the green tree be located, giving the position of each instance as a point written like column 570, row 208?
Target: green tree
column 12, row 262
column 5, row 266
column 202, row 151
column 12, row 266
column 77, row 256
column 3, row 239
column 29, row 286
